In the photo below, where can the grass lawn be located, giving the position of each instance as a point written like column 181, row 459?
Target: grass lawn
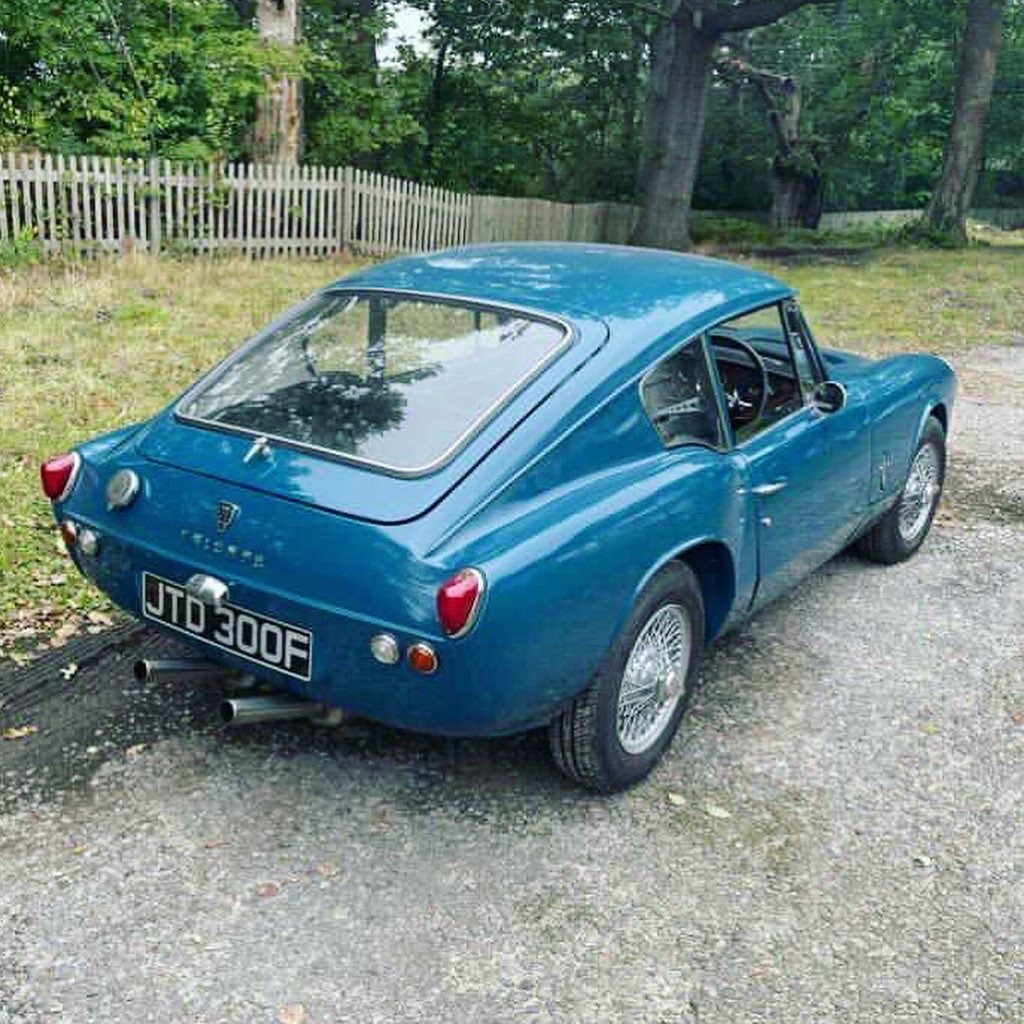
column 906, row 300
column 88, row 349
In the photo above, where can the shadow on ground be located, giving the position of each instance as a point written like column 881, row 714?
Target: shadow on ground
column 102, row 713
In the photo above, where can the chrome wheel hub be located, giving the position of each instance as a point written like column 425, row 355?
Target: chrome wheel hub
column 920, row 494
column 654, row 680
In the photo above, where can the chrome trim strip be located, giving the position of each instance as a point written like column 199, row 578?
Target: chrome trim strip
column 569, row 337
column 72, row 478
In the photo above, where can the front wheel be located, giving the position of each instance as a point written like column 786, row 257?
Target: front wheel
column 617, row 730
column 902, row 530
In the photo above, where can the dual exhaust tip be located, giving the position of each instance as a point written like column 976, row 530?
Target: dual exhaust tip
column 234, row 710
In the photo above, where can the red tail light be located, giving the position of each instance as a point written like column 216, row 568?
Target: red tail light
column 458, row 601
column 58, row 475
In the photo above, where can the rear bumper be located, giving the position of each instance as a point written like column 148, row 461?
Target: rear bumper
column 468, row 695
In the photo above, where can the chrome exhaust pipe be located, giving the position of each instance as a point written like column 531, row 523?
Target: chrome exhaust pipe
column 269, row 708
column 168, row 670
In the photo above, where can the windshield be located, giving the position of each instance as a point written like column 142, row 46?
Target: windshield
column 397, row 381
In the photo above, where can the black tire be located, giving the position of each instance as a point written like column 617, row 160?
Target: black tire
column 885, row 542
column 584, row 738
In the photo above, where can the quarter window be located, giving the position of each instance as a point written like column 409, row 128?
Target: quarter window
column 679, row 398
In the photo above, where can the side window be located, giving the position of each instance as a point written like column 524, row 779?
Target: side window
column 803, row 349
column 752, row 355
column 679, row 398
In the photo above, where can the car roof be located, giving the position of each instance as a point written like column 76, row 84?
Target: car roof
column 609, row 282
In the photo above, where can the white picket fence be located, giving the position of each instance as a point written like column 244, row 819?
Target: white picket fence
column 85, row 205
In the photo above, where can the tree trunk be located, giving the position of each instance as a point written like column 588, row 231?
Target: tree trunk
column 797, row 196
column 798, row 188
column 277, row 135
column 673, row 129
column 674, row 107
column 965, row 147
column 435, row 104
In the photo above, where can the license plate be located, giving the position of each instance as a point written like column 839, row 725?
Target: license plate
column 277, row 645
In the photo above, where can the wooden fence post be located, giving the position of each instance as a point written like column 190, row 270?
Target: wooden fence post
column 90, row 205
column 345, row 210
column 154, row 195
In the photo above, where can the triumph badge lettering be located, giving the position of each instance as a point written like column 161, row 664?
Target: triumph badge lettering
column 227, row 513
column 277, row 645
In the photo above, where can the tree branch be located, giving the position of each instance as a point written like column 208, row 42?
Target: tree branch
column 665, row 12
column 766, row 82
column 753, row 14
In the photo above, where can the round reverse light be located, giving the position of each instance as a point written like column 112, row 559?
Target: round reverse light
column 384, row 647
column 422, row 659
column 122, row 489
column 88, row 542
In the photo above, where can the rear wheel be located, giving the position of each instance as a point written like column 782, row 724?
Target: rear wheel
column 617, row 730
column 902, row 530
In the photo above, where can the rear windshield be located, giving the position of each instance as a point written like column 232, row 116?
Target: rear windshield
column 397, row 381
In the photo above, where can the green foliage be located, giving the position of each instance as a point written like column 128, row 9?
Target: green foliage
column 736, row 233
column 876, row 81
column 522, row 97
column 537, row 99
column 12, row 121
column 727, row 231
column 922, row 234
column 21, row 250
column 133, row 77
column 353, row 109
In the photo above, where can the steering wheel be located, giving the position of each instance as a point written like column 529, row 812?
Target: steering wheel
column 742, row 410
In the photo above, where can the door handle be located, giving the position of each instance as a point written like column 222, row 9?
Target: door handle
column 766, row 490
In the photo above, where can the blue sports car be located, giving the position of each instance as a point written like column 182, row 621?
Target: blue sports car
column 498, row 487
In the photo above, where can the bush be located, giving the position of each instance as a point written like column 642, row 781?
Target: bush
column 21, row 250
column 731, row 232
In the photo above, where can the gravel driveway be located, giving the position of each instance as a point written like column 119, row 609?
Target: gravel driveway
column 835, row 836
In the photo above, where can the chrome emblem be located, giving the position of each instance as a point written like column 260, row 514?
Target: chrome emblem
column 227, row 513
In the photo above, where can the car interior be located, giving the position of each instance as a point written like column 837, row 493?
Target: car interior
column 758, row 376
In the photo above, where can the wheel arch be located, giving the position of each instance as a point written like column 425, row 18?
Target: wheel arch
column 941, row 413
column 935, row 408
column 712, row 562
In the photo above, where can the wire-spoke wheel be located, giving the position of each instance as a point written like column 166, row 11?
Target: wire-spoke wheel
column 920, row 493
column 654, row 680
column 903, row 528
column 617, row 729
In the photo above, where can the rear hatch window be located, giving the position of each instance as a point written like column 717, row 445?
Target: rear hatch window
column 396, row 382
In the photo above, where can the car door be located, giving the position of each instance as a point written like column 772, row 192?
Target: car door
column 847, row 437
column 800, row 466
